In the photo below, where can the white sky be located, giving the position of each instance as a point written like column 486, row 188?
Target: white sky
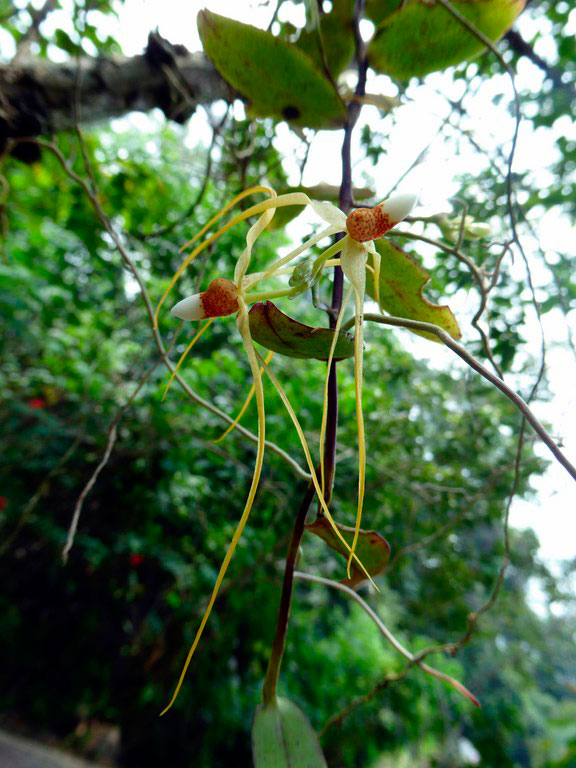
column 552, row 514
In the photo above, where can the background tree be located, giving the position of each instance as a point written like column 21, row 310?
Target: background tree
column 85, row 429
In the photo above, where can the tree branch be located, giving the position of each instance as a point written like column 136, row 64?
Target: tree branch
column 514, row 397
column 40, row 96
column 522, row 48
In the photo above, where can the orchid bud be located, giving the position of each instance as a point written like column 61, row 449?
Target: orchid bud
column 472, row 230
column 218, row 300
column 476, row 230
column 371, row 223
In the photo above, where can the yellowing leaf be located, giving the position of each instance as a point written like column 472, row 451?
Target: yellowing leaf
column 401, row 282
column 280, row 333
column 275, row 77
column 423, row 37
column 372, row 549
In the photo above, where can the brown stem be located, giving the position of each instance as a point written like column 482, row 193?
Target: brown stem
column 345, row 201
column 279, row 643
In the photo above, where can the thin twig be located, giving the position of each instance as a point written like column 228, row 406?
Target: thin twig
column 111, row 436
column 467, row 511
column 514, row 397
column 394, row 642
column 526, row 413
column 105, row 221
column 509, row 179
column 478, row 277
column 42, row 490
column 474, row 616
column 206, row 177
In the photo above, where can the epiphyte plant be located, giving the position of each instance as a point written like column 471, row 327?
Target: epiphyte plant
column 224, row 297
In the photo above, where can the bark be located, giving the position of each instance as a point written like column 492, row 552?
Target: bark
column 40, row 97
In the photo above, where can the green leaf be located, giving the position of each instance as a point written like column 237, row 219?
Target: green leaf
column 275, row 77
column 337, row 38
column 282, row 737
column 280, row 333
column 372, row 549
column 378, row 10
column 63, row 40
column 420, row 37
column 401, row 282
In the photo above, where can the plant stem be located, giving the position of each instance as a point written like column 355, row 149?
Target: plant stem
column 279, row 643
column 345, row 203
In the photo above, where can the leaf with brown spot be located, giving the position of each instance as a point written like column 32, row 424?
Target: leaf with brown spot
column 276, row 78
column 414, row 39
column 281, row 333
column 372, row 549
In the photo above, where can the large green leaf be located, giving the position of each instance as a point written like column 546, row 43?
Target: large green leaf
column 280, row 333
column 378, row 10
column 401, row 282
column 275, row 77
column 282, row 737
column 372, row 549
column 422, row 37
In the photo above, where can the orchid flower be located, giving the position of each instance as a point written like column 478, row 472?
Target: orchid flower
column 228, row 297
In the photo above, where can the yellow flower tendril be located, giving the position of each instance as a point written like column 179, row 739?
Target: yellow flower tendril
column 247, row 402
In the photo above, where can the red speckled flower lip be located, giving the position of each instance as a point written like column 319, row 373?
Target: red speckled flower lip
column 218, row 300
column 365, row 224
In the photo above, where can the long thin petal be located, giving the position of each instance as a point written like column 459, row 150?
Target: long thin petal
column 305, row 448
column 247, row 402
column 377, row 261
column 329, row 213
column 244, row 328
column 253, row 234
column 191, row 256
column 353, row 260
column 324, row 423
column 186, row 352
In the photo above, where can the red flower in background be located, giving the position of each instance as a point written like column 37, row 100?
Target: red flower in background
column 37, row 403
column 136, row 560
column 3, row 502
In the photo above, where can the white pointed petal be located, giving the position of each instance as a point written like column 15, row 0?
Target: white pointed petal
column 329, row 213
column 398, row 207
column 190, row 308
column 353, row 260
